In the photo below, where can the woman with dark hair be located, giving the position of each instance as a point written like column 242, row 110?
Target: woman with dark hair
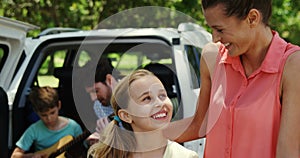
column 248, row 104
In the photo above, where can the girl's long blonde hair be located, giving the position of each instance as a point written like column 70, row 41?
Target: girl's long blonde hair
column 117, row 140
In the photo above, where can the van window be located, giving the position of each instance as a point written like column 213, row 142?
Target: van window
column 125, row 57
column 3, row 55
column 84, row 58
column 45, row 75
column 194, row 55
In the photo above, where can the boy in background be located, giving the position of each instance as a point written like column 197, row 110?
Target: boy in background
column 49, row 129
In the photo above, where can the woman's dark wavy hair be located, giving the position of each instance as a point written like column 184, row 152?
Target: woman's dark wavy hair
column 241, row 8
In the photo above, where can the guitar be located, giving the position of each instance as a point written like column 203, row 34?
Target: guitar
column 58, row 149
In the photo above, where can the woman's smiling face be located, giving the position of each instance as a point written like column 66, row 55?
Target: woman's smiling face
column 236, row 34
column 149, row 106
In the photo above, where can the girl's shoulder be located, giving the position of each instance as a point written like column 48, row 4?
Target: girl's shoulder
column 176, row 150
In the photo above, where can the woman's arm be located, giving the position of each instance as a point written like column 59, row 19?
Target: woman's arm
column 289, row 134
column 192, row 125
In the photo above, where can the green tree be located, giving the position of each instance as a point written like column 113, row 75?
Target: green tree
column 86, row 14
column 286, row 19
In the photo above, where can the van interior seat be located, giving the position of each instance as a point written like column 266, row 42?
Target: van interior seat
column 68, row 108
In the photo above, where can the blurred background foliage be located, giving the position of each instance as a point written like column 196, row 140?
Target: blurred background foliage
column 86, row 14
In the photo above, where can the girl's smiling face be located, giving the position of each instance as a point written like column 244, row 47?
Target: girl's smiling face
column 149, row 106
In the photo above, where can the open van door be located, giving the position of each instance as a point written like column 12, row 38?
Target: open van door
column 12, row 39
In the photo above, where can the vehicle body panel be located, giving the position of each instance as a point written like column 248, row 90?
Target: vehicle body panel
column 175, row 45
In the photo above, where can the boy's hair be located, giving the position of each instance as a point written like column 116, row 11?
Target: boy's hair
column 43, row 98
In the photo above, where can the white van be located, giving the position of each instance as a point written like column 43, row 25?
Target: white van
column 56, row 56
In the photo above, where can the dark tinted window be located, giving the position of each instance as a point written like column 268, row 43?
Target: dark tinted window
column 3, row 55
column 194, row 55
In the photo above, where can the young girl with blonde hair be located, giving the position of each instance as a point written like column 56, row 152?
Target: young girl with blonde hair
column 142, row 110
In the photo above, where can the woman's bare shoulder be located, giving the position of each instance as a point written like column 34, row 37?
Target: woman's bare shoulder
column 211, row 48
